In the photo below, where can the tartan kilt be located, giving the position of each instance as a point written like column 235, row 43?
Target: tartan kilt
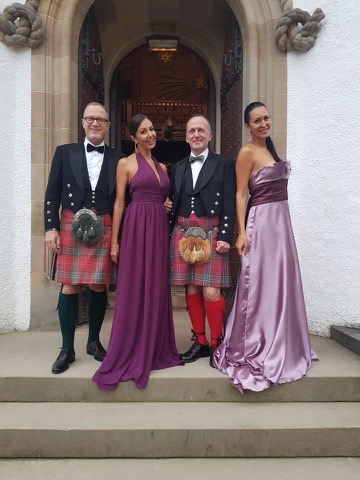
column 80, row 264
column 215, row 272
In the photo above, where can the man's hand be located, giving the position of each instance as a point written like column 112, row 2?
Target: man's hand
column 222, row 247
column 52, row 240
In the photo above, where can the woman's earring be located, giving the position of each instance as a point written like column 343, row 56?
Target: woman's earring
column 136, row 147
column 248, row 136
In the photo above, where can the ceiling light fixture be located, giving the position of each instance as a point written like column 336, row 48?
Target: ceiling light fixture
column 163, row 44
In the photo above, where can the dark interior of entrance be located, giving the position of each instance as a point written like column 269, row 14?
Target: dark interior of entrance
column 169, row 87
column 165, row 152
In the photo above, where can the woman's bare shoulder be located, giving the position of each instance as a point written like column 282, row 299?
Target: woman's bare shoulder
column 248, row 148
column 127, row 161
column 246, row 153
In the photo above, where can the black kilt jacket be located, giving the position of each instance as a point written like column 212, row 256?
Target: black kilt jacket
column 217, row 190
column 66, row 184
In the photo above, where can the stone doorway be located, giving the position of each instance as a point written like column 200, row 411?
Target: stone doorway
column 200, row 25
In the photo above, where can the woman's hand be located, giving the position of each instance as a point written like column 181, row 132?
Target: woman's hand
column 114, row 252
column 168, row 205
column 241, row 244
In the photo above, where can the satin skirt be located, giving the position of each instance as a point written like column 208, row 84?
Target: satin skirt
column 266, row 337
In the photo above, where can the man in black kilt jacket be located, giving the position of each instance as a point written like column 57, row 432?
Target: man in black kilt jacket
column 82, row 176
column 203, row 189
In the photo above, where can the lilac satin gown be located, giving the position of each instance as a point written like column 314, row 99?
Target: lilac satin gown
column 266, row 337
column 142, row 334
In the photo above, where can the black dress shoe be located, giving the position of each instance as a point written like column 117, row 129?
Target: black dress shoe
column 96, row 350
column 212, row 351
column 66, row 356
column 196, row 351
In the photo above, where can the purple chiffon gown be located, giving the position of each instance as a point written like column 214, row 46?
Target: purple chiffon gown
column 266, row 337
column 142, row 335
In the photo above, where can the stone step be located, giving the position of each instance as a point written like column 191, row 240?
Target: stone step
column 181, row 469
column 26, row 359
column 180, row 430
column 191, row 383
column 347, row 337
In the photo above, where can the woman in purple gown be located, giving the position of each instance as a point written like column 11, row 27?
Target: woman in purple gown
column 142, row 335
column 266, row 338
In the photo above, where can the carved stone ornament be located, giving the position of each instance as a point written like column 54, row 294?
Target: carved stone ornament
column 289, row 35
column 21, row 25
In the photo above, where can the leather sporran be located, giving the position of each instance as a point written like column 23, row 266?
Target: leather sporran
column 87, row 227
column 194, row 247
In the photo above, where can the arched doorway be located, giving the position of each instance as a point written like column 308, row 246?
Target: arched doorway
column 200, row 26
column 168, row 83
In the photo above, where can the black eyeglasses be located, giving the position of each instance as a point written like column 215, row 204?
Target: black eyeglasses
column 100, row 120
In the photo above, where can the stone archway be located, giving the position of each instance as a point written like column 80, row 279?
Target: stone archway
column 55, row 92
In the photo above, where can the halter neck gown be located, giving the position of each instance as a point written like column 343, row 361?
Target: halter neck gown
column 266, row 337
column 142, row 335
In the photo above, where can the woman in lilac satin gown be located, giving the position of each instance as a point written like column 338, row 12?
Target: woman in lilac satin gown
column 142, row 335
column 266, row 338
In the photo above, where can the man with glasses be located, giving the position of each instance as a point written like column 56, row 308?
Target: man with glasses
column 82, row 183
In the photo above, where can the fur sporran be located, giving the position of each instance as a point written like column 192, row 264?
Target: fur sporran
column 195, row 247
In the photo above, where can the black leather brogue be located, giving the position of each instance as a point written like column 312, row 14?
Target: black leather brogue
column 96, row 350
column 196, row 351
column 66, row 356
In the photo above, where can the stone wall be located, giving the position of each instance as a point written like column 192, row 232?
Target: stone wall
column 15, row 187
column 323, row 146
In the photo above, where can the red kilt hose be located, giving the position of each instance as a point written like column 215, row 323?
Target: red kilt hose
column 80, row 264
column 215, row 272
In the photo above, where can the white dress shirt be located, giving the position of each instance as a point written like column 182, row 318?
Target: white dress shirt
column 94, row 161
column 197, row 166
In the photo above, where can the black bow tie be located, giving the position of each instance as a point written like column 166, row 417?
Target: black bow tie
column 91, row 148
column 193, row 159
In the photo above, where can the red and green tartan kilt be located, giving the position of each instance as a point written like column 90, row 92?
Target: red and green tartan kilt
column 215, row 272
column 80, row 264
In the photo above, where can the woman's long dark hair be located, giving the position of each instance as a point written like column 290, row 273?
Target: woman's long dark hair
column 269, row 143
column 135, row 123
